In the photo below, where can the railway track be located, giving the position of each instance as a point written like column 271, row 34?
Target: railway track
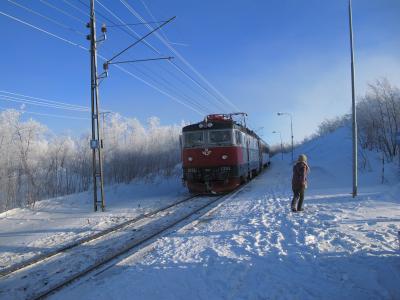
column 46, row 274
column 41, row 257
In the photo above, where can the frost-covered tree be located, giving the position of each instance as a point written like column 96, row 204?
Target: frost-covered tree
column 379, row 118
column 36, row 165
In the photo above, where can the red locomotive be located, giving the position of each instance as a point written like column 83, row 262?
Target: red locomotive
column 220, row 153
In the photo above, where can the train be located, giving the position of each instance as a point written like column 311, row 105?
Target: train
column 220, row 153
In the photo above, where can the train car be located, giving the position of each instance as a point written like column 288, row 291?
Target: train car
column 220, row 153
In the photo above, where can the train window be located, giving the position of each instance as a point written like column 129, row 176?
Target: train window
column 238, row 135
column 193, row 139
column 220, row 137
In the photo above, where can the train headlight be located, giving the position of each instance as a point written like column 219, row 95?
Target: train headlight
column 209, row 125
column 224, row 156
column 190, row 158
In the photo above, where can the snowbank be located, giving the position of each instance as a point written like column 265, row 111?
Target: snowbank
column 54, row 222
column 253, row 247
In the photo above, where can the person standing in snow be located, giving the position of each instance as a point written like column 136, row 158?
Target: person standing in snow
column 299, row 182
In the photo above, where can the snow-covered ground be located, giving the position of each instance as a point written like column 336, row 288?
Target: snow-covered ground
column 251, row 246
column 25, row 233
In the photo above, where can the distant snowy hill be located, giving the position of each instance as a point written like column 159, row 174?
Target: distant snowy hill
column 330, row 160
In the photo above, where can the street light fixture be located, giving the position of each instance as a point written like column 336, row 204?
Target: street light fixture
column 291, row 127
column 280, row 135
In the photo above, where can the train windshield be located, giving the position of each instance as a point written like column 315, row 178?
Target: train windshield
column 193, row 139
column 220, row 137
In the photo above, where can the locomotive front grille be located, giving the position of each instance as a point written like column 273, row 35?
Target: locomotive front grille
column 208, row 174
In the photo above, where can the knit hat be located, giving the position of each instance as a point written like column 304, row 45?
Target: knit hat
column 302, row 157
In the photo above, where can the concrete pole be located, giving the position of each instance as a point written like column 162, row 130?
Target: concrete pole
column 95, row 143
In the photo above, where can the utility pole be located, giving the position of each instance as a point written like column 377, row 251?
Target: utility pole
column 103, row 114
column 353, row 98
column 280, row 135
column 291, row 132
column 96, row 142
column 291, row 129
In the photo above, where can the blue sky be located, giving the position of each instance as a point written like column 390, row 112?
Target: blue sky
column 264, row 56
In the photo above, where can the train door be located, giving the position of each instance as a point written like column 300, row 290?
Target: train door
column 181, row 145
column 260, row 154
column 248, row 156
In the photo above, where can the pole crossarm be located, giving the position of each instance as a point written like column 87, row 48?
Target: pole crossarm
column 139, row 60
column 141, row 39
column 135, row 24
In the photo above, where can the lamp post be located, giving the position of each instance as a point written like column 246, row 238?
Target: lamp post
column 280, row 135
column 353, row 105
column 291, row 127
column 259, row 129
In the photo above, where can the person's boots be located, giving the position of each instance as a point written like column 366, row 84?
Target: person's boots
column 294, row 204
column 300, row 202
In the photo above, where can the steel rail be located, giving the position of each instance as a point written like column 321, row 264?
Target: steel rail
column 128, row 246
column 133, row 244
column 44, row 256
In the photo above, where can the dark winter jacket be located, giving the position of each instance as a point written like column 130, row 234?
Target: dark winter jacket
column 299, row 179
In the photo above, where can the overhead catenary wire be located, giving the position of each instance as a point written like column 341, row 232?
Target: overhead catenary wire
column 62, row 11
column 141, row 39
column 86, row 14
column 175, row 65
column 161, row 31
column 157, row 89
column 153, row 18
column 140, row 18
column 84, row 48
column 169, row 87
column 43, row 114
column 44, row 31
column 136, row 24
column 102, row 16
column 38, row 103
column 46, row 17
column 65, row 40
column 136, row 35
column 45, row 100
column 103, row 58
column 139, row 60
